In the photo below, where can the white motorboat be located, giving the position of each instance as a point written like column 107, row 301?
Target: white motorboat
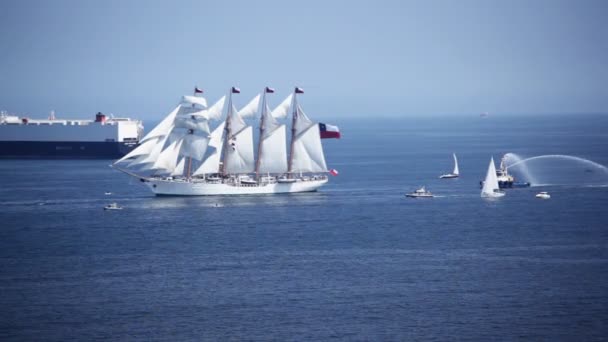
column 420, row 193
column 108, row 193
column 112, row 206
column 455, row 173
column 490, row 185
column 543, row 195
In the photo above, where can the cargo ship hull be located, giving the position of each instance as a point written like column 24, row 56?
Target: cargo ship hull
column 64, row 149
column 102, row 138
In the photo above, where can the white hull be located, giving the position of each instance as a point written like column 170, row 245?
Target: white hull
column 202, row 188
column 495, row 194
column 450, row 175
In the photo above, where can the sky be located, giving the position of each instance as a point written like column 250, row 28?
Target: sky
column 352, row 58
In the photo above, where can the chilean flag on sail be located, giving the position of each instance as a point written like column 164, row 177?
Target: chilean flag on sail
column 333, row 172
column 329, row 131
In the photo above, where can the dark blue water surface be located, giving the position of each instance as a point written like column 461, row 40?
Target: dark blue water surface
column 354, row 261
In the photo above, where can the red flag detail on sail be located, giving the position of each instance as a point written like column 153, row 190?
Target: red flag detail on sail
column 329, row 131
column 333, row 172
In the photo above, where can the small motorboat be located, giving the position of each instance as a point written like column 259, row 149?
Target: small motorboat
column 112, row 206
column 543, row 195
column 420, row 193
column 108, row 193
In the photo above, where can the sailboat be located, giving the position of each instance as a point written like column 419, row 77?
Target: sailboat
column 184, row 156
column 490, row 185
column 456, row 172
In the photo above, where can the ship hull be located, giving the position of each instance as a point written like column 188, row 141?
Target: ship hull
column 185, row 188
column 64, row 149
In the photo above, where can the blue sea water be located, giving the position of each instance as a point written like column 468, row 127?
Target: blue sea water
column 354, row 261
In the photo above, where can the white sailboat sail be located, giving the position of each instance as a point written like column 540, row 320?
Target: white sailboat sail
column 215, row 111
column 194, row 100
column 491, row 182
column 307, row 149
column 211, row 163
column 281, row 110
column 167, row 159
column 456, row 171
column 239, row 152
column 150, row 158
column 273, row 158
column 179, row 169
column 164, row 127
column 194, row 146
column 143, row 149
column 251, row 108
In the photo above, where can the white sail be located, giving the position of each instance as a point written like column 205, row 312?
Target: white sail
column 167, row 159
column 281, row 110
column 194, row 100
column 274, row 156
column 150, row 158
column 456, row 171
column 142, row 149
column 251, row 108
column 194, row 146
column 163, row 127
column 491, row 182
column 179, row 169
column 211, row 164
column 307, row 149
column 192, row 122
column 239, row 152
column 215, row 111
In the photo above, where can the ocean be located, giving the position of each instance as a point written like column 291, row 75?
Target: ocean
column 356, row 260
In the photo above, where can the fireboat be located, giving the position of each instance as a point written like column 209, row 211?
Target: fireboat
column 505, row 180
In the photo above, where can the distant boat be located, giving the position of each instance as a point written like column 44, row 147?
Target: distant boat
column 543, row 195
column 420, row 193
column 112, row 206
column 454, row 173
column 108, row 193
column 490, row 185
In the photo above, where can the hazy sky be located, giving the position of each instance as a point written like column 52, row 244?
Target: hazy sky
column 353, row 58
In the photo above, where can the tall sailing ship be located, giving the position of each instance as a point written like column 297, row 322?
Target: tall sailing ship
column 182, row 155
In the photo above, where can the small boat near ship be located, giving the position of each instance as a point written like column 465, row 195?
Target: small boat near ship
column 543, row 195
column 490, row 185
column 455, row 173
column 420, row 193
column 506, row 180
column 112, row 206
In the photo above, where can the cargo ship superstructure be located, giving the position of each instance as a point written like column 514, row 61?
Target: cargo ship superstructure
column 104, row 137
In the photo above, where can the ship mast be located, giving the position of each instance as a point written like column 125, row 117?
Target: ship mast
column 191, row 132
column 228, row 132
column 293, row 129
column 262, row 127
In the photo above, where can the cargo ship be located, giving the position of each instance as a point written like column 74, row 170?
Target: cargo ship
column 103, row 138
